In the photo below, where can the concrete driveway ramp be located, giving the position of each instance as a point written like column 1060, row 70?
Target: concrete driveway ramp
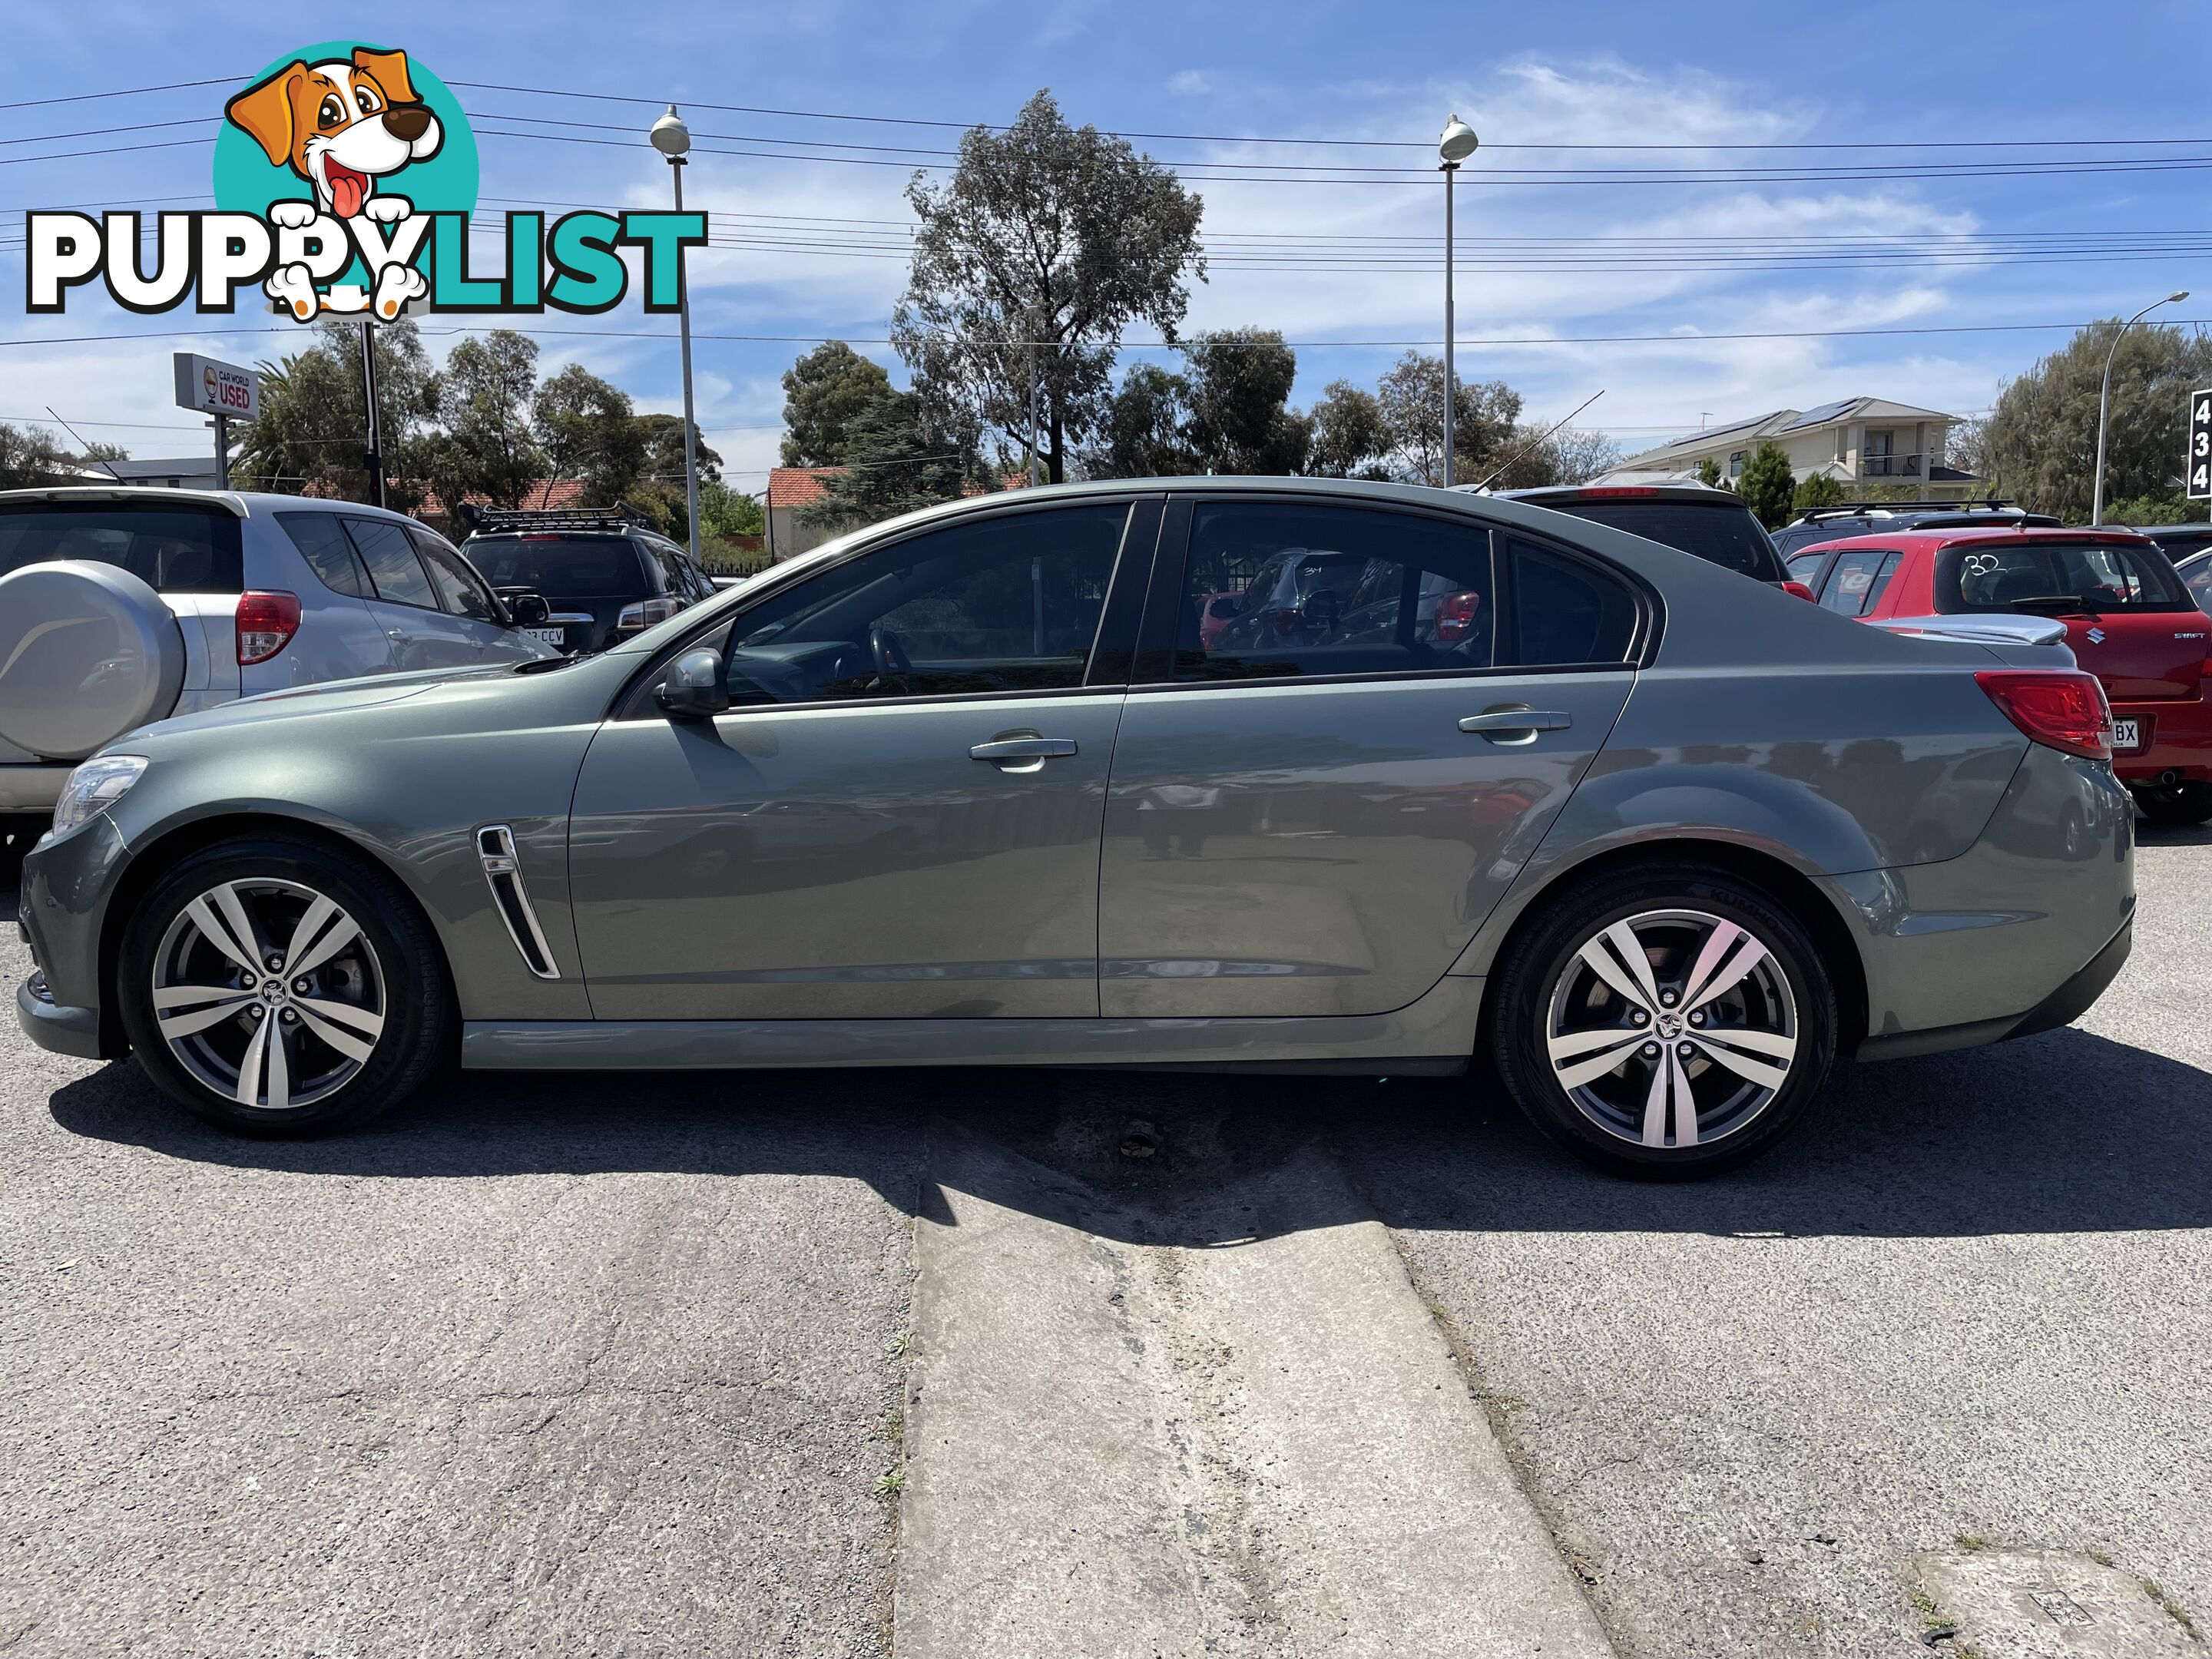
column 1229, row 1428
column 2015, row 1603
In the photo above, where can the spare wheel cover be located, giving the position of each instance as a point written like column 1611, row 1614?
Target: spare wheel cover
column 87, row 651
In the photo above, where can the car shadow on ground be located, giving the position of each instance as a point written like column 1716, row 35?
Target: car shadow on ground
column 2068, row 1132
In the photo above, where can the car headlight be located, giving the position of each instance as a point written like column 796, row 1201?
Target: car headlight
column 94, row 786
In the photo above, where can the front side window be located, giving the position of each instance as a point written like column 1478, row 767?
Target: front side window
column 2199, row 580
column 1005, row 603
column 459, row 591
column 1850, row 584
column 393, row 568
column 2001, row 575
column 1273, row 591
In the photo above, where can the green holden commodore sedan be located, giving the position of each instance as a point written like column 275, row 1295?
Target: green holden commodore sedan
column 1217, row 773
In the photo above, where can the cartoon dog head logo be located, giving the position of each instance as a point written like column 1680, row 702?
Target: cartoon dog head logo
column 343, row 124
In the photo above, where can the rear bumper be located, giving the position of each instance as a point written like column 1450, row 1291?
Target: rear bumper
column 31, row 788
column 2020, row 933
column 2180, row 734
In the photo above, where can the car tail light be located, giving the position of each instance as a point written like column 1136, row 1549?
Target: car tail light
column 644, row 614
column 1613, row 491
column 267, row 622
column 2066, row 711
column 1798, row 588
column 1455, row 615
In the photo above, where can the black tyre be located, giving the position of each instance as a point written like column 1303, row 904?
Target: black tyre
column 2189, row 803
column 1665, row 1022
column 276, row 988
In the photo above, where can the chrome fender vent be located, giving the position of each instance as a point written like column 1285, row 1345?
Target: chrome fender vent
column 502, row 869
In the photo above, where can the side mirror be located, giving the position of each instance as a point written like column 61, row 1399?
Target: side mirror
column 695, row 689
column 1322, row 609
column 529, row 610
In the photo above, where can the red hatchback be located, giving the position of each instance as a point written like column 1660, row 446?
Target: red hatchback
column 2129, row 619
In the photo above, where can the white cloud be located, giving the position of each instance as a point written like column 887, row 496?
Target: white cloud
column 1190, row 82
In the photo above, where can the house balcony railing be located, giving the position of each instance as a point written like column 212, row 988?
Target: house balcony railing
column 1889, row 467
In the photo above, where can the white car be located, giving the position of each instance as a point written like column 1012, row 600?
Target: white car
column 123, row 606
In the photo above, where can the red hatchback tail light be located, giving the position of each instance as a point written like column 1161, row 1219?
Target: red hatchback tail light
column 1455, row 614
column 2063, row 710
column 267, row 622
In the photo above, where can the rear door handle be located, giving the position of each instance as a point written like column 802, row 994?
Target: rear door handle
column 1020, row 749
column 1516, row 725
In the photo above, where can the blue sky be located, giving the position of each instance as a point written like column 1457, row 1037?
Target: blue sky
column 1548, row 262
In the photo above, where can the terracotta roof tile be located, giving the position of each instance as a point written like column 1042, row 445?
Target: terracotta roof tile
column 795, row 486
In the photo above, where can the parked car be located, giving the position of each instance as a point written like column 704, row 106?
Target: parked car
column 1628, row 841
column 2128, row 619
column 1714, row 524
column 2190, row 547
column 119, row 606
column 604, row 576
column 1849, row 518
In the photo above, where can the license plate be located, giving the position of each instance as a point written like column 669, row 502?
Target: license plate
column 556, row 638
column 2127, row 734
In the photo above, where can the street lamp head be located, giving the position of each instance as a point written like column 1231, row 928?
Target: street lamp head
column 1458, row 141
column 670, row 136
column 2177, row 296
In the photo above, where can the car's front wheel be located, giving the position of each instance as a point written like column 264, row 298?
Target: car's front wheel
column 279, row 988
column 1665, row 1022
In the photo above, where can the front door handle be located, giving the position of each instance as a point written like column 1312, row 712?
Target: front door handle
column 1021, row 749
column 1516, row 724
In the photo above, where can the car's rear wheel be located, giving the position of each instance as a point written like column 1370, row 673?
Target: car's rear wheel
column 1665, row 1023
column 276, row 988
column 2186, row 802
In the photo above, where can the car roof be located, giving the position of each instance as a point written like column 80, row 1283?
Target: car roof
column 1955, row 536
column 240, row 503
column 1538, row 493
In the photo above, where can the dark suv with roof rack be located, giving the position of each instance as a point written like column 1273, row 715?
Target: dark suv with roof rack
column 605, row 576
column 1850, row 519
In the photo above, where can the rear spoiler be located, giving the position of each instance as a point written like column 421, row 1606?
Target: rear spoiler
column 1981, row 628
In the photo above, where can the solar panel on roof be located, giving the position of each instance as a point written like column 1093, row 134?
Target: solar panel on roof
column 1824, row 412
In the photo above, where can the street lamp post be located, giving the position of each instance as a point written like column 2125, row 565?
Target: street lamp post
column 2105, row 401
column 1457, row 143
column 673, row 139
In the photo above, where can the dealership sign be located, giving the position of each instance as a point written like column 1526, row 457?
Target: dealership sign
column 208, row 387
column 345, row 183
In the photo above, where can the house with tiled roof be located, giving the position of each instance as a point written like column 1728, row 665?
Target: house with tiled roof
column 1857, row 442
column 789, row 489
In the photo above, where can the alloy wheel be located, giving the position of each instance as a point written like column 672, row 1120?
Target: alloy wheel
column 1672, row 1029
column 269, row 992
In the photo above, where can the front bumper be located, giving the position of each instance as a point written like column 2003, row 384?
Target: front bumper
column 54, row 1026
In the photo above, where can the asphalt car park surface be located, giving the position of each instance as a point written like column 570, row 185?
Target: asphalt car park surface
column 593, row 1364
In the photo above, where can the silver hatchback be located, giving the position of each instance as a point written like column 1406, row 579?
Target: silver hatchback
column 1650, row 842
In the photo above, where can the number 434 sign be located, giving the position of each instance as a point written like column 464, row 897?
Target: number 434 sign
column 2200, row 446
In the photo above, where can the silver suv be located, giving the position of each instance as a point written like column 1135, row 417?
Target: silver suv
column 119, row 607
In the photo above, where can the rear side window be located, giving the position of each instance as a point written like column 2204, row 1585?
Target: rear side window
column 1566, row 612
column 1790, row 537
column 562, row 568
column 323, row 543
column 2004, row 575
column 171, row 548
column 2199, row 577
column 1724, row 532
column 1280, row 591
column 392, row 566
